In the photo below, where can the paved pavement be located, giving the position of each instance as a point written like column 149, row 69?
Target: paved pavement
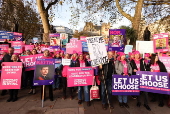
column 31, row 104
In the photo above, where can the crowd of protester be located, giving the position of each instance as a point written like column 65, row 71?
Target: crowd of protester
column 119, row 63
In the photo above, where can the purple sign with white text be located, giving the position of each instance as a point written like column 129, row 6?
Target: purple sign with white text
column 155, row 82
column 125, row 85
column 116, row 39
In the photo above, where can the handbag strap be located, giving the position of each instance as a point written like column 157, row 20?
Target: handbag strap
column 94, row 82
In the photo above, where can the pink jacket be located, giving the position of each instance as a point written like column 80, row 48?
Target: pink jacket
column 64, row 72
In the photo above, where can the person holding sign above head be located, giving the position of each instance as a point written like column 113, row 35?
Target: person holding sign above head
column 139, row 64
column 123, row 68
column 13, row 92
column 44, row 72
column 105, row 76
column 157, row 66
column 7, row 58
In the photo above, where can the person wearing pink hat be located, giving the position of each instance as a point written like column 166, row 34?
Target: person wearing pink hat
column 123, row 68
column 138, row 64
column 131, row 56
column 57, row 79
column 81, row 88
column 62, row 54
column 64, row 80
column 157, row 66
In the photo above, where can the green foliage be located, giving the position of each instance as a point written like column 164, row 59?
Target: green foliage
column 14, row 12
column 130, row 34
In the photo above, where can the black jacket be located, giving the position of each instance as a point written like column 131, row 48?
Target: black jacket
column 107, row 71
column 75, row 63
column 143, row 66
column 87, row 63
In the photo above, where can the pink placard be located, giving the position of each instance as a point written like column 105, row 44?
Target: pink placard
column 18, row 46
column 83, row 38
column 160, row 42
column 166, row 61
column 74, row 45
column 29, row 61
column 80, row 76
column 11, row 75
column 29, row 47
column 4, row 48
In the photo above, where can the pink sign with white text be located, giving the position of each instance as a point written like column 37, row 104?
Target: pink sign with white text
column 4, row 48
column 18, row 46
column 29, row 47
column 11, row 75
column 83, row 38
column 80, row 76
column 74, row 45
column 29, row 61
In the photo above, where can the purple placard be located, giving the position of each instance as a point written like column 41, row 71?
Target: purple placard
column 116, row 39
column 44, row 72
column 119, row 49
column 155, row 82
column 55, row 47
column 125, row 85
column 54, row 35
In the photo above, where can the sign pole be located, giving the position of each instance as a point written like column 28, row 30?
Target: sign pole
column 43, row 96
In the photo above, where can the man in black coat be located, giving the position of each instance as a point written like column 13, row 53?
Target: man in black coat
column 7, row 58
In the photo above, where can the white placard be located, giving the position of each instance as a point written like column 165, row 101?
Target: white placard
column 97, row 50
column 66, row 61
column 144, row 46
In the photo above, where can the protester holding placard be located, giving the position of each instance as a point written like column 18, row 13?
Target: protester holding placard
column 7, row 58
column 123, row 68
column 157, row 66
column 57, row 79
column 64, row 80
column 139, row 64
column 105, row 76
column 81, row 63
column 13, row 92
column 46, row 55
column 29, row 75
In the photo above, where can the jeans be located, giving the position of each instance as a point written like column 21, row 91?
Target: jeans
column 56, row 83
column 86, row 93
column 109, row 91
column 122, row 98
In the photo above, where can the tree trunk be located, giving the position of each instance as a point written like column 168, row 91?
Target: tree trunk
column 44, row 17
column 137, row 17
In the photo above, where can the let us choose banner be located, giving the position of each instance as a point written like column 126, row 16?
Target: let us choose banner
column 125, row 85
column 154, row 82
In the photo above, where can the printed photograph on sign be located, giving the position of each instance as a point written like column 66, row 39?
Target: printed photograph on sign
column 116, row 37
column 44, row 72
column 161, row 43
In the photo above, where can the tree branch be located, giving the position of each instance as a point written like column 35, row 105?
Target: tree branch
column 50, row 4
column 122, row 12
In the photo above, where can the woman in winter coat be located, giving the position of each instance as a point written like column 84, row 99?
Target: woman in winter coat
column 140, row 64
column 157, row 66
column 123, row 67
